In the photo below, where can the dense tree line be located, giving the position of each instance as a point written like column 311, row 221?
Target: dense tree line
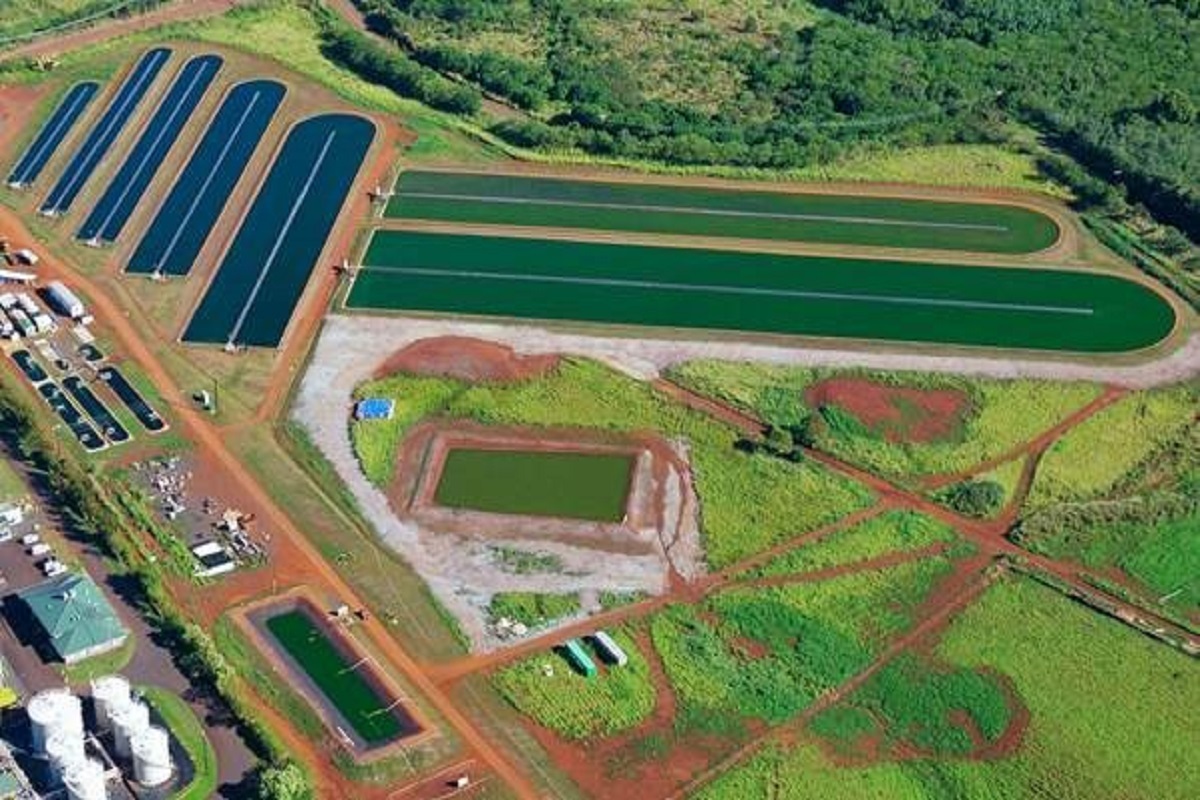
column 1114, row 83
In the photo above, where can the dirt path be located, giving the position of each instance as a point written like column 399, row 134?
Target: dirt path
column 209, row 441
column 179, row 11
column 1035, row 446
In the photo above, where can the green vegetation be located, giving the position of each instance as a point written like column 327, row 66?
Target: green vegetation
column 524, row 562
column 588, row 486
column 751, row 500
column 1089, row 460
column 1110, row 716
column 757, row 84
column 547, row 689
column 799, row 295
column 1003, row 415
column 975, row 498
column 893, row 532
column 767, row 653
column 376, row 441
column 108, row 663
column 351, row 694
column 24, row 19
column 12, row 487
column 916, row 705
column 189, row 732
column 532, row 608
column 1143, row 524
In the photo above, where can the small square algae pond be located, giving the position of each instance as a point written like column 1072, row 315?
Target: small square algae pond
column 588, row 486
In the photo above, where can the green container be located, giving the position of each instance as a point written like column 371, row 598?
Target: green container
column 579, row 658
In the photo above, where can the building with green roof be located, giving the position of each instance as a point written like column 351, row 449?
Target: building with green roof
column 74, row 617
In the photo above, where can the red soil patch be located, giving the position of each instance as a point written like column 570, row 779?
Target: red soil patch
column 899, row 414
column 466, row 359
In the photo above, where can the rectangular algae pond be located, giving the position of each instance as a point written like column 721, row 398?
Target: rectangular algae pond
column 588, row 486
column 346, row 682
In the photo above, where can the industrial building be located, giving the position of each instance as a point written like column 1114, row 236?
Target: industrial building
column 73, row 617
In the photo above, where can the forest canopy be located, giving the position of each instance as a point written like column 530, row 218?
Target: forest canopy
column 1114, row 83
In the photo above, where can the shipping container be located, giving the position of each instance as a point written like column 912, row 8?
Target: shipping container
column 610, row 651
column 579, row 658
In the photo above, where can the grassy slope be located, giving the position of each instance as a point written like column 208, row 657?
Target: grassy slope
column 1111, row 717
column 21, row 17
column 1006, row 413
column 751, row 501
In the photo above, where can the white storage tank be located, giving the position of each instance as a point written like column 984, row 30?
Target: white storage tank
column 85, row 781
column 127, row 722
column 152, row 757
column 109, row 692
column 54, row 711
column 63, row 750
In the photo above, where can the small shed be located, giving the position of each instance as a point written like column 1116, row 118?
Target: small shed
column 375, row 408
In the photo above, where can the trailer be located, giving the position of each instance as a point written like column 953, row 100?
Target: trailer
column 579, row 658
column 609, row 650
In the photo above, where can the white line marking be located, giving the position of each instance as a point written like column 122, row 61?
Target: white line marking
column 283, row 232
column 939, row 302
column 212, row 174
column 52, row 205
column 714, row 212
column 53, row 132
column 158, row 137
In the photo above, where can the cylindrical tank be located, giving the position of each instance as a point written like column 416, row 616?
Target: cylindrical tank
column 127, row 722
column 151, row 757
column 85, row 781
column 109, row 692
column 50, row 712
column 63, row 750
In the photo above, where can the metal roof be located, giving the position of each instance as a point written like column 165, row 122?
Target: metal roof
column 74, row 614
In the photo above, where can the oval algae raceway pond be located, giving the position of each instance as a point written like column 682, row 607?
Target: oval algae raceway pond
column 677, row 287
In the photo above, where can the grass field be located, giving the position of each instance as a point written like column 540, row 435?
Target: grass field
column 21, row 18
column 1003, row 414
column 767, row 653
column 893, row 532
column 1143, row 522
column 661, row 208
column 531, row 608
column 1111, row 717
column 575, row 707
column 591, row 486
column 750, row 500
column 673, row 287
column 12, row 487
column 1091, row 458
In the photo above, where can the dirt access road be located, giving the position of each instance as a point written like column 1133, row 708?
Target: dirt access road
column 178, row 11
column 210, row 445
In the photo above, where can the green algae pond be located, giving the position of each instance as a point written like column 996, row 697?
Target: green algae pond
column 343, row 681
column 588, row 486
